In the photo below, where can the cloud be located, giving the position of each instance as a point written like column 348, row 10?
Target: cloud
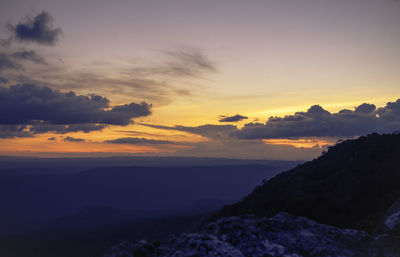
column 234, row 118
column 5, row 42
column 73, row 139
column 7, row 63
column 51, row 139
column 3, row 80
column 247, row 149
column 185, row 62
column 189, row 60
column 41, row 109
column 317, row 122
column 38, row 29
column 24, row 104
column 43, row 127
column 29, row 55
column 365, row 108
column 137, row 140
column 62, row 77
column 222, row 144
column 125, row 85
column 208, row 130
column 12, row 131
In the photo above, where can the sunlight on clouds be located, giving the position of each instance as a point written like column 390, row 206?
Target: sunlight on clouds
column 93, row 143
column 300, row 143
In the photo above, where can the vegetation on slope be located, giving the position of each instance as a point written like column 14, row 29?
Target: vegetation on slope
column 351, row 185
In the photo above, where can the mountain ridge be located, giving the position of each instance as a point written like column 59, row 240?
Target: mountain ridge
column 350, row 186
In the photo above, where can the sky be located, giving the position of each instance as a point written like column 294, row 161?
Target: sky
column 271, row 79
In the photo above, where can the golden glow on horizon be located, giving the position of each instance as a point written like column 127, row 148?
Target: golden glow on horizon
column 299, row 143
column 94, row 141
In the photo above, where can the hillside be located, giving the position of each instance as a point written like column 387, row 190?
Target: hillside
column 34, row 200
column 350, row 186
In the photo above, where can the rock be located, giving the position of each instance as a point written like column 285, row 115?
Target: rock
column 387, row 232
column 283, row 235
column 287, row 235
column 142, row 248
column 391, row 221
column 200, row 245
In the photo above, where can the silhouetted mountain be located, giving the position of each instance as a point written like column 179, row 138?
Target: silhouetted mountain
column 350, row 186
column 32, row 201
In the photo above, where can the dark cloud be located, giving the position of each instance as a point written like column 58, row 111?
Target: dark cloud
column 38, row 29
column 185, row 62
column 317, row 122
column 24, row 104
column 137, row 140
column 209, row 130
column 365, row 108
column 32, row 109
column 73, row 139
column 234, row 118
column 51, row 139
column 12, row 131
column 7, row 63
column 42, row 127
column 29, row 55
column 122, row 114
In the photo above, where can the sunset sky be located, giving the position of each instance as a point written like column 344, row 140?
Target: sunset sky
column 274, row 79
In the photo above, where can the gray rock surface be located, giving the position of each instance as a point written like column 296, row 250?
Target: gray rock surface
column 282, row 235
column 388, row 232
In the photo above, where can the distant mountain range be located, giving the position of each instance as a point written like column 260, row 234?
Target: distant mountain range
column 48, row 210
column 31, row 201
column 15, row 165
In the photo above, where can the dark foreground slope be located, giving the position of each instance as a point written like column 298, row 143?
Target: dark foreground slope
column 350, row 186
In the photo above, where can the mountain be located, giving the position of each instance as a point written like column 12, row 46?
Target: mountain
column 96, row 216
column 31, row 201
column 350, row 186
column 353, row 186
column 15, row 165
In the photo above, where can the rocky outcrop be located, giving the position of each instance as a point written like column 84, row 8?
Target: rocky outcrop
column 391, row 221
column 388, row 232
column 281, row 235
